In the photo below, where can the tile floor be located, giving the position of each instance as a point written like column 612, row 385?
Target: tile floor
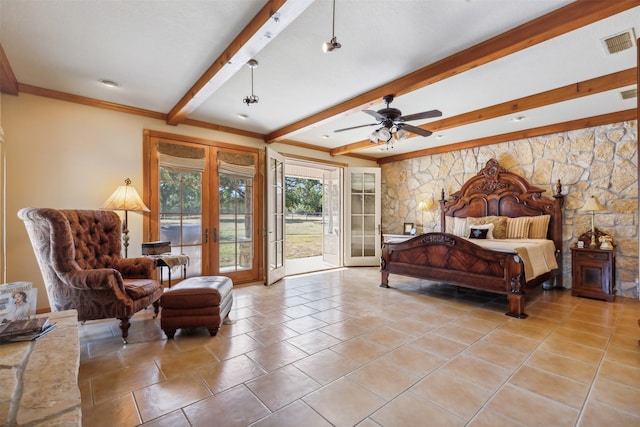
column 334, row 349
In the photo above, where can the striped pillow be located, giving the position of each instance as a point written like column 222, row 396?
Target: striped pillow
column 539, row 226
column 518, row 228
column 457, row 226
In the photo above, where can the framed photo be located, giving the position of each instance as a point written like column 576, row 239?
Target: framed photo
column 408, row 228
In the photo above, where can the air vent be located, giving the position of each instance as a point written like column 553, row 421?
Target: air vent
column 628, row 94
column 619, row 42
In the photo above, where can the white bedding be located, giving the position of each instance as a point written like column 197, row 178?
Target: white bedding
column 538, row 255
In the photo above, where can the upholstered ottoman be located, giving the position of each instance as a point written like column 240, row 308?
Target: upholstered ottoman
column 203, row 301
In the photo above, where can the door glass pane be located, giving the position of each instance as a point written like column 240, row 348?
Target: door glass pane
column 236, row 230
column 180, row 215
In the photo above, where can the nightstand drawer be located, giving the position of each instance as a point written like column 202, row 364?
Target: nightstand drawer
column 592, row 255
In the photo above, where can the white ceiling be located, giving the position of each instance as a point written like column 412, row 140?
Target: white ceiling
column 156, row 50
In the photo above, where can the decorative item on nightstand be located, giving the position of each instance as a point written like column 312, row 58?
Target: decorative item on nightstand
column 606, row 242
column 426, row 206
column 592, row 206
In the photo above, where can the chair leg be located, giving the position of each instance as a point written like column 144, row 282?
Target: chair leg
column 124, row 327
column 156, row 308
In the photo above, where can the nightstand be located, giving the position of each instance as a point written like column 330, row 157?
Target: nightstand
column 593, row 272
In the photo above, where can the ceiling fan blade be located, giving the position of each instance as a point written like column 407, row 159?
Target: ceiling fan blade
column 423, row 115
column 415, row 129
column 355, row 127
column 375, row 115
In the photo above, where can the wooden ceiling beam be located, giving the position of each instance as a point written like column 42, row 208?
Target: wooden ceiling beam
column 553, row 96
column 8, row 82
column 588, row 122
column 568, row 18
column 274, row 17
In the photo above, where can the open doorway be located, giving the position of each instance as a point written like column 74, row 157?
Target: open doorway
column 313, row 216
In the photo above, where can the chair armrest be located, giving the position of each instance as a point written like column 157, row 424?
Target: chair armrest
column 98, row 279
column 137, row 268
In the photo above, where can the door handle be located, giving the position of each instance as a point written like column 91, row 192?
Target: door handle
column 206, row 235
column 215, row 235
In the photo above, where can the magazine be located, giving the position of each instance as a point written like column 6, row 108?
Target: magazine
column 25, row 330
column 17, row 301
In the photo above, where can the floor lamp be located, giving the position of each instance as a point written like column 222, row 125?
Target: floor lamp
column 126, row 199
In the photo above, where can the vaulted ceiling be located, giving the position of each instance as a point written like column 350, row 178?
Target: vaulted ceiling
column 496, row 69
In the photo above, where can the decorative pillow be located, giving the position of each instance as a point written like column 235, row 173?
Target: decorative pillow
column 499, row 224
column 460, row 227
column 481, row 231
column 539, row 226
column 518, row 228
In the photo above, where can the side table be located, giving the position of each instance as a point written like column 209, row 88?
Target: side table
column 593, row 273
column 170, row 261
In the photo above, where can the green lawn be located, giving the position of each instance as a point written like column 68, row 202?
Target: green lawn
column 304, row 236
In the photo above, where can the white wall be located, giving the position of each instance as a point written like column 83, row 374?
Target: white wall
column 70, row 156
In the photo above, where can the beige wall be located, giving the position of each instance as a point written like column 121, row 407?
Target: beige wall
column 66, row 155
column 599, row 161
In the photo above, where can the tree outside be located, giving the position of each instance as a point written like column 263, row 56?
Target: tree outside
column 303, row 203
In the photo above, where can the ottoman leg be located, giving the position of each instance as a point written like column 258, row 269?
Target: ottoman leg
column 169, row 333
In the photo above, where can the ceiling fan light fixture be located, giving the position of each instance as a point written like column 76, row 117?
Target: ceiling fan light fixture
column 384, row 134
column 333, row 43
column 251, row 99
column 401, row 135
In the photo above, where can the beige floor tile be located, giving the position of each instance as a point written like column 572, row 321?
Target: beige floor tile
column 457, row 340
column 360, row 349
column 295, row 415
column 383, row 378
column 457, row 333
column 409, row 410
column 621, row 373
column 414, row 360
column 453, row 394
column 276, row 355
column 412, row 327
column 314, row 341
column 580, row 337
column 236, row 407
column 120, row 411
column 496, row 354
column 489, row 418
column 478, row 372
column 572, row 350
column 282, row 387
column 230, row 373
column 439, row 345
column 623, row 356
column 305, row 324
column 113, row 384
column 272, row 335
column 233, row 346
column 616, row 395
column 183, row 363
column 555, row 387
column 531, row 409
column 172, row 419
column 344, row 402
column 512, row 341
column 564, row 366
column 327, row 366
column 597, row 415
column 167, row 396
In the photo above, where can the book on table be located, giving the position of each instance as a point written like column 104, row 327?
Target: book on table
column 25, row 330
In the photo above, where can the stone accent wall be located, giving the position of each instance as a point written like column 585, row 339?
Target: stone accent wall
column 599, row 161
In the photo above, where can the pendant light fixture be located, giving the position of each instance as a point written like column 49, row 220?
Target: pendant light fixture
column 252, row 99
column 333, row 43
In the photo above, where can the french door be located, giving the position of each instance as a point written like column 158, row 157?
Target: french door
column 363, row 217
column 275, row 200
column 202, row 200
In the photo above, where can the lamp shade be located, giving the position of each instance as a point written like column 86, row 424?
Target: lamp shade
column 593, row 205
column 125, row 198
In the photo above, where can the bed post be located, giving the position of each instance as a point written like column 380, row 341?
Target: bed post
column 443, row 216
column 557, row 233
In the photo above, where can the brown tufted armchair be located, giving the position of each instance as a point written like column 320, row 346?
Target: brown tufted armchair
column 79, row 253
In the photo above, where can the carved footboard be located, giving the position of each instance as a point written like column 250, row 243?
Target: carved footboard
column 450, row 259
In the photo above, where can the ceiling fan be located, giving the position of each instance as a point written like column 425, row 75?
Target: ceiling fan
column 393, row 122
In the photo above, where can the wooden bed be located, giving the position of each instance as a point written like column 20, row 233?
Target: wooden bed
column 448, row 258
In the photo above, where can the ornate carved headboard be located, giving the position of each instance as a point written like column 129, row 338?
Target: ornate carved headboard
column 496, row 191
